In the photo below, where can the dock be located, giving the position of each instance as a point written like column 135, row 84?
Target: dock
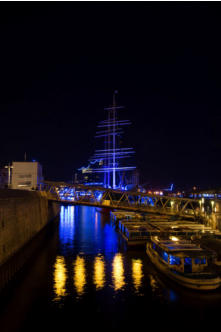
column 137, row 229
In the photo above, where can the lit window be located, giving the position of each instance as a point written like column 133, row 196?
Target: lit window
column 188, row 261
column 200, row 261
column 173, row 260
column 165, row 256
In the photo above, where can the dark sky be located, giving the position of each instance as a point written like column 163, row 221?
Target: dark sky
column 61, row 62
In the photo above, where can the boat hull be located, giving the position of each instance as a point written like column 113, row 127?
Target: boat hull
column 135, row 242
column 196, row 284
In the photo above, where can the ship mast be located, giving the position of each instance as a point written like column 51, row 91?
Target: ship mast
column 110, row 129
column 114, row 141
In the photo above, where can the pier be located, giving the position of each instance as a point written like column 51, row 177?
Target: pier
column 137, row 229
column 78, row 194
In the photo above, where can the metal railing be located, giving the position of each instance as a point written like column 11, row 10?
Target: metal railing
column 127, row 200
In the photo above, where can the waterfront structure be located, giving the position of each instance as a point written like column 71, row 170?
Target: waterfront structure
column 26, row 175
column 208, row 212
column 86, row 175
column 206, row 193
column 127, row 200
column 24, row 214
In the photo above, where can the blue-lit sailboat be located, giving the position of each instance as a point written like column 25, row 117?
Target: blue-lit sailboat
column 107, row 167
column 184, row 262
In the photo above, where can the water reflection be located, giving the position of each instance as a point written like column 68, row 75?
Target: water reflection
column 85, row 235
column 96, row 223
column 172, row 296
column 118, row 272
column 83, row 229
column 99, row 272
column 137, row 273
column 85, row 275
column 79, row 275
column 60, row 276
column 153, row 283
column 67, row 228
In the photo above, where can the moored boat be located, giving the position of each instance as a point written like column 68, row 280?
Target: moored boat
column 184, row 262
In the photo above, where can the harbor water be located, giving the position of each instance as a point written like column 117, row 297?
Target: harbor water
column 84, row 276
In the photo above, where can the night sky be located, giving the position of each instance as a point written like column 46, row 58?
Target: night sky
column 61, row 62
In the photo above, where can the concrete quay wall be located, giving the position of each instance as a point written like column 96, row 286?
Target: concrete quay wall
column 23, row 214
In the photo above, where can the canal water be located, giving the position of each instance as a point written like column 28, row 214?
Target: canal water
column 85, row 278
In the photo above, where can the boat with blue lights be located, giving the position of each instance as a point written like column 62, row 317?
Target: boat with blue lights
column 184, row 262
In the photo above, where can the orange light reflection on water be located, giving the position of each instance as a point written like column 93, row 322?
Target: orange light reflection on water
column 99, row 272
column 118, row 272
column 137, row 273
column 79, row 275
column 60, row 276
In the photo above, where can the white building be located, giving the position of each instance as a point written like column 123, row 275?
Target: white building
column 26, row 175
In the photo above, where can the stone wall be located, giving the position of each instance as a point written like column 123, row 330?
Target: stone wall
column 23, row 214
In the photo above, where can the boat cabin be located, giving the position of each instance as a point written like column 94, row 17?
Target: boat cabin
column 181, row 255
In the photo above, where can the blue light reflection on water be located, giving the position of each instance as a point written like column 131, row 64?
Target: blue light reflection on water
column 67, row 228
column 83, row 229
